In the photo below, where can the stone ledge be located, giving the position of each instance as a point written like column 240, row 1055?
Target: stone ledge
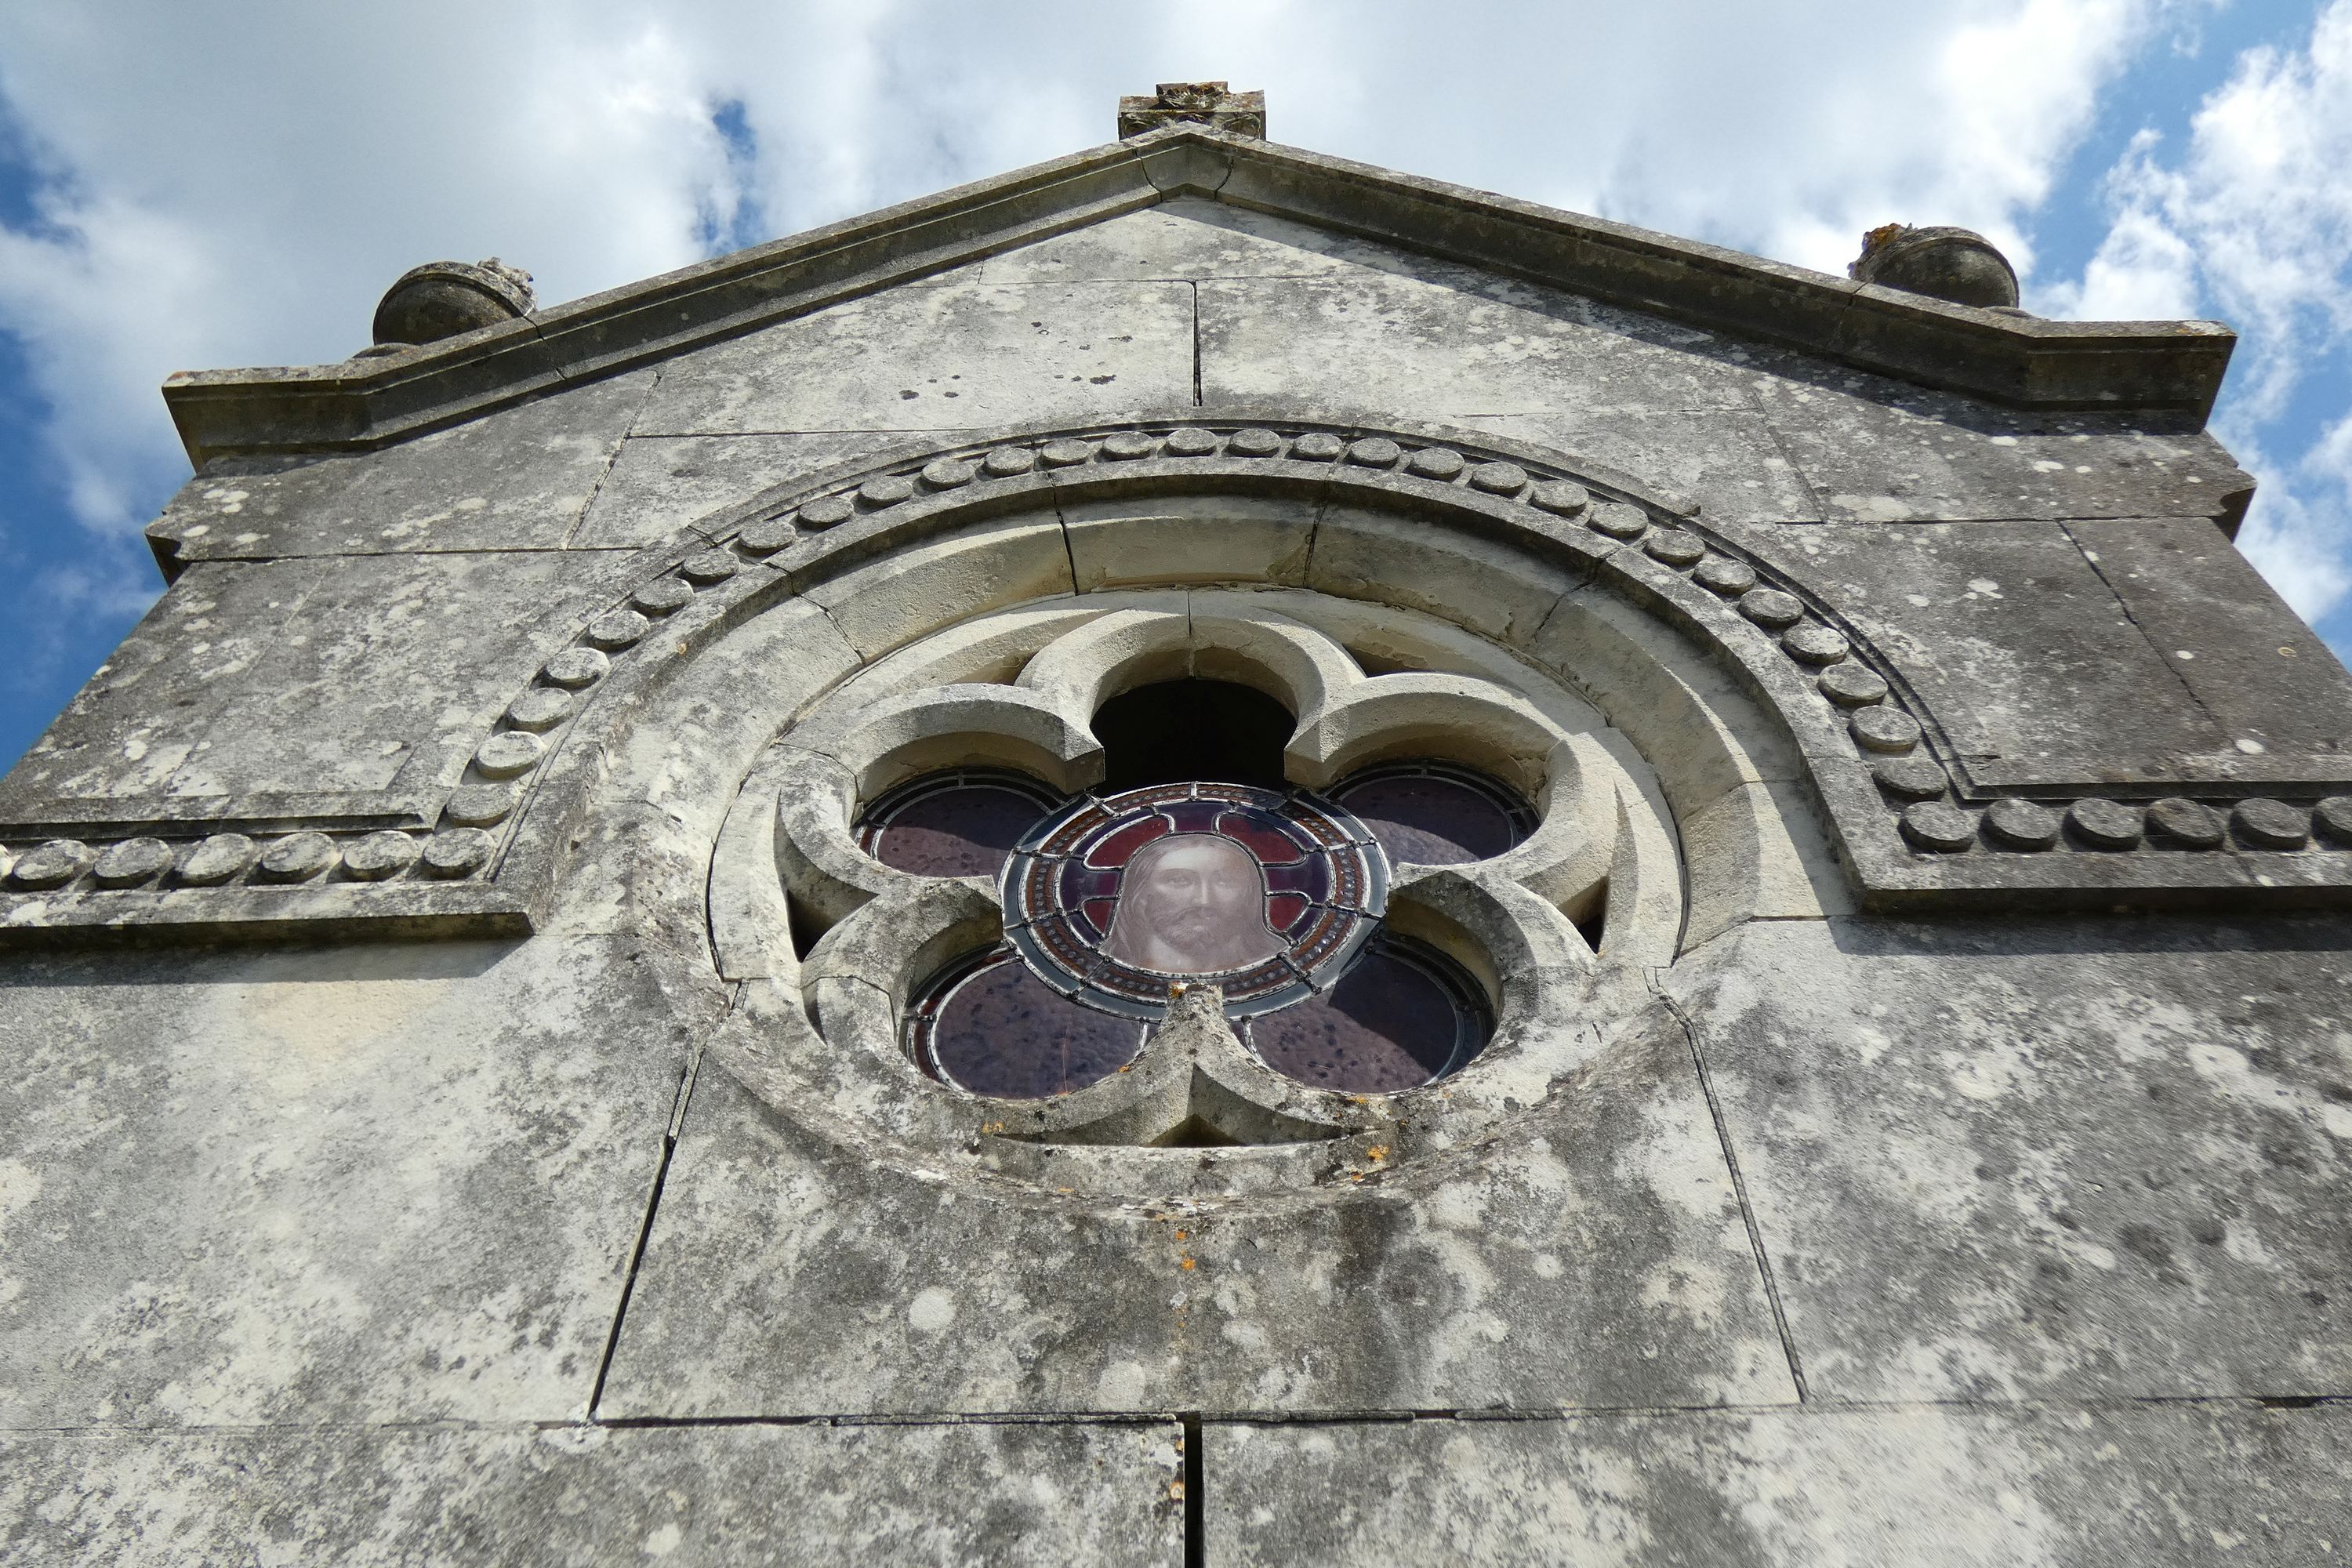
column 342, row 912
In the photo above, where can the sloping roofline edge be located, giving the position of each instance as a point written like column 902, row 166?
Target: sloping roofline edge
column 2020, row 361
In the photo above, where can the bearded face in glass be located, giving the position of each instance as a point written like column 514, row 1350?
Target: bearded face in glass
column 1191, row 903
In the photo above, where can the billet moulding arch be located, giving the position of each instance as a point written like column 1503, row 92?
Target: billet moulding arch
column 492, row 859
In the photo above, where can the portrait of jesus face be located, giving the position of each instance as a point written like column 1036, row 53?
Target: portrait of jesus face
column 1191, row 903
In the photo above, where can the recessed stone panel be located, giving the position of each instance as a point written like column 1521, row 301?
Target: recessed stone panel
column 1191, row 237
column 1005, row 1494
column 2249, row 660
column 1599, row 1260
column 2035, row 672
column 2044, row 1161
column 515, row 480
column 661, row 484
column 1721, row 461
column 361, row 1184
column 1876, row 451
column 952, row 354
column 319, row 685
column 1447, row 346
column 1924, row 1488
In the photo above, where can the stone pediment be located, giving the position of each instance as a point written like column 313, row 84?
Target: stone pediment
column 2008, row 359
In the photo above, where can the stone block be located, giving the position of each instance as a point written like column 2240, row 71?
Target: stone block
column 948, row 355
column 2036, row 1160
column 1721, row 461
column 661, row 485
column 1488, row 587
column 1448, row 346
column 2249, row 661
column 359, row 684
column 1182, row 540
column 1877, row 450
column 1005, row 1494
column 356, row 1184
column 1924, row 1488
column 1757, row 851
column 1598, row 1259
column 517, row 478
column 876, row 607
column 2031, row 667
column 1683, row 712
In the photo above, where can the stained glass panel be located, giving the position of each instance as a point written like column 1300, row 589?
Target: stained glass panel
column 1401, row 1017
column 1436, row 813
column 957, row 823
column 992, row 1028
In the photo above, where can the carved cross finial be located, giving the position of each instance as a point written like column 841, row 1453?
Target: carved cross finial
column 1202, row 102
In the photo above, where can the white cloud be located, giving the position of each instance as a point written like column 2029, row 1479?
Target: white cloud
column 239, row 192
column 2252, row 220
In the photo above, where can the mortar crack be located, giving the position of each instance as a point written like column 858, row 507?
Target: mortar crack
column 1739, row 1188
column 2098, row 569
column 645, row 1227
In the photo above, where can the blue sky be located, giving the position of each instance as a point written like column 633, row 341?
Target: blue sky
column 185, row 187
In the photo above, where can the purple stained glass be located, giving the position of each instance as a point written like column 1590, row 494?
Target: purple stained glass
column 960, row 823
column 1401, row 1017
column 1436, row 813
column 994, row 1029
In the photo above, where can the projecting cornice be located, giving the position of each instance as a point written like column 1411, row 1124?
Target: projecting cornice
column 2020, row 361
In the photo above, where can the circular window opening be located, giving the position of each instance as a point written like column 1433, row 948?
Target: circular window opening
column 1403, row 1016
column 958, row 823
column 1436, row 813
column 988, row 1025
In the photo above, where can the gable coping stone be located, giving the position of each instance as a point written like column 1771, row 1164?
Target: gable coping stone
column 2021, row 360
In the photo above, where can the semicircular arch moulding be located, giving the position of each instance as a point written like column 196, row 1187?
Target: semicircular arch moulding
column 1576, row 568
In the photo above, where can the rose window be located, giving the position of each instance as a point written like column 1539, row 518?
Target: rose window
column 1112, row 872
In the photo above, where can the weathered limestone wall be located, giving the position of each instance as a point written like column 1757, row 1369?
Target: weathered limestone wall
column 2000, row 1236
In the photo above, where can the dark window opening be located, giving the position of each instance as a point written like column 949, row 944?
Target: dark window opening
column 1179, row 732
column 1593, row 925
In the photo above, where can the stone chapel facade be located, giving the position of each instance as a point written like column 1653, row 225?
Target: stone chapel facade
column 1198, row 856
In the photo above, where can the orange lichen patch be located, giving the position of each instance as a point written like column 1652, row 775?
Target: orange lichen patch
column 1377, row 1152
column 1881, row 234
column 1185, row 1263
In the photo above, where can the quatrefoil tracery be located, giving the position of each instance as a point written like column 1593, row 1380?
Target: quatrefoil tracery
column 1597, row 851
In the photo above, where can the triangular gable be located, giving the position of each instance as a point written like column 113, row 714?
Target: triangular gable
column 2021, row 360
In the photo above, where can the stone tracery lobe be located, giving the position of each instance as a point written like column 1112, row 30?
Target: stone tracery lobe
column 1355, row 1003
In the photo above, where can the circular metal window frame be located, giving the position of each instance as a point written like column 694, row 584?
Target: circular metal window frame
column 1061, row 941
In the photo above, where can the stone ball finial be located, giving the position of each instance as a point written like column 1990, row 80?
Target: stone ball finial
column 1956, row 264
column 443, row 298
column 1209, row 103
